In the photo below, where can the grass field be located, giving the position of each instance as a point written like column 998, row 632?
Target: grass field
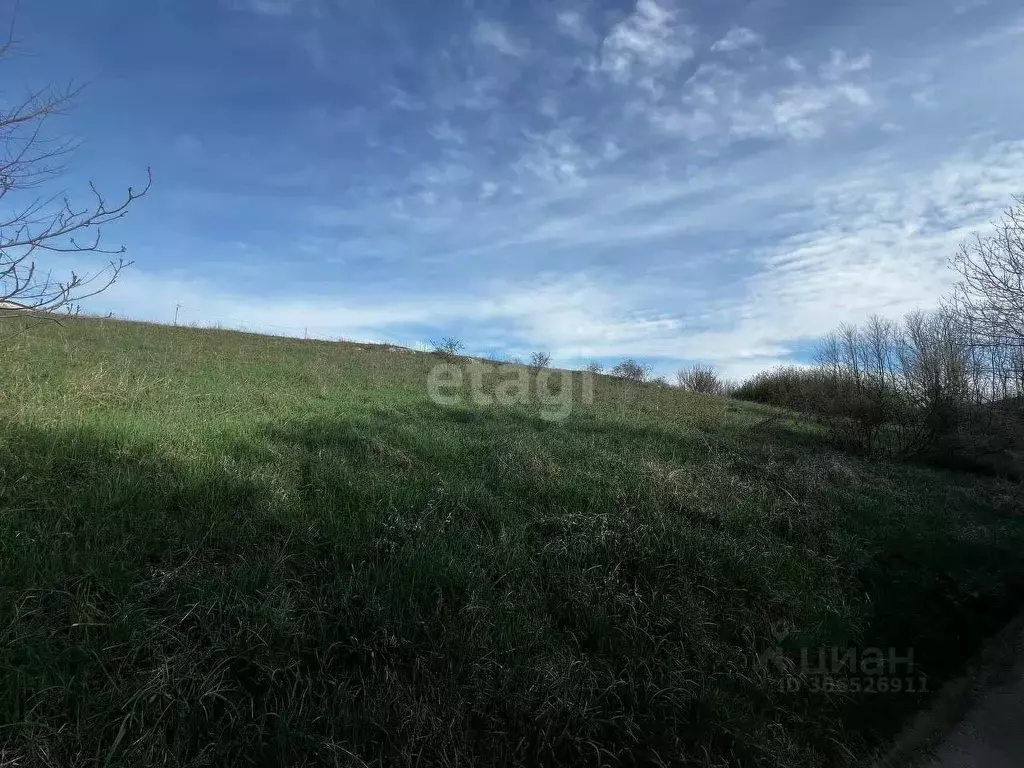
column 226, row 549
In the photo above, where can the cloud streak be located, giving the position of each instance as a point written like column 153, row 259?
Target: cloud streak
column 668, row 180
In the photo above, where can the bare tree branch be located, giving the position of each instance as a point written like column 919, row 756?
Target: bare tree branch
column 32, row 224
column 990, row 295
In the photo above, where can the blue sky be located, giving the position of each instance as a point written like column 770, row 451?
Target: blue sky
column 714, row 180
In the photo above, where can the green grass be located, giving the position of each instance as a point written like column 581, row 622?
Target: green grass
column 225, row 549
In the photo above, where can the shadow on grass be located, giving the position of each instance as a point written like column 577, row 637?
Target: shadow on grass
column 474, row 586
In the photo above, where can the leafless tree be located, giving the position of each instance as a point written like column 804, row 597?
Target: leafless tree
column 702, row 379
column 448, row 347
column 913, row 388
column 540, row 360
column 947, row 385
column 35, row 222
column 990, row 295
column 631, row 370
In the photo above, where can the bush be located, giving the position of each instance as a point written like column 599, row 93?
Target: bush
column 631, row 370
column 946, row 386
column 594, row 367
column 540, row 360
column 832, row 396
column 447, row 347
column 897, row 389
column 701, row 379
column 790, row 387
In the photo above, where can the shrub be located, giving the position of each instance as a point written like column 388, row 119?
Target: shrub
column 701, row 379
column 631, row 370
column 447, row 347
column 791, row 387
column 540, row 360
column 946, row 386
column 594, row 367
column 899, row 389
column 834, row 397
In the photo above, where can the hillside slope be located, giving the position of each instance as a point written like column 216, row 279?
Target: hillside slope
column 219, row 548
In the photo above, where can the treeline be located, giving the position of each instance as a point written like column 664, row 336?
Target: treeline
column 946, row 385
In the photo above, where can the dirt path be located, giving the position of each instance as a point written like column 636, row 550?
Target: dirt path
column 978, row 720
column 991, row 735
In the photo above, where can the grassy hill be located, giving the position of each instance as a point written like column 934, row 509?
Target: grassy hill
column 226, row 549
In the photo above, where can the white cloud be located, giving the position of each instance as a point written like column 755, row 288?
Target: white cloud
column 694, row 124
column 840, row 65
column 549, row 106
column 803, row 111
column 793, row 64
column 575, row 317
column 488, row 189
column 737, row 258
column 735, row 39
column 998, row 36
column 313, row 44
column 446, row 133
column 575, row 26
column 968, row 6
column 265, row 7
column 878, row 241
column 492, row 34
column 875, row 239
column 611, row 150
column 399, row 99
column 651, row 40
column 720, row 104
column 925, row 98
column 555, row 157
